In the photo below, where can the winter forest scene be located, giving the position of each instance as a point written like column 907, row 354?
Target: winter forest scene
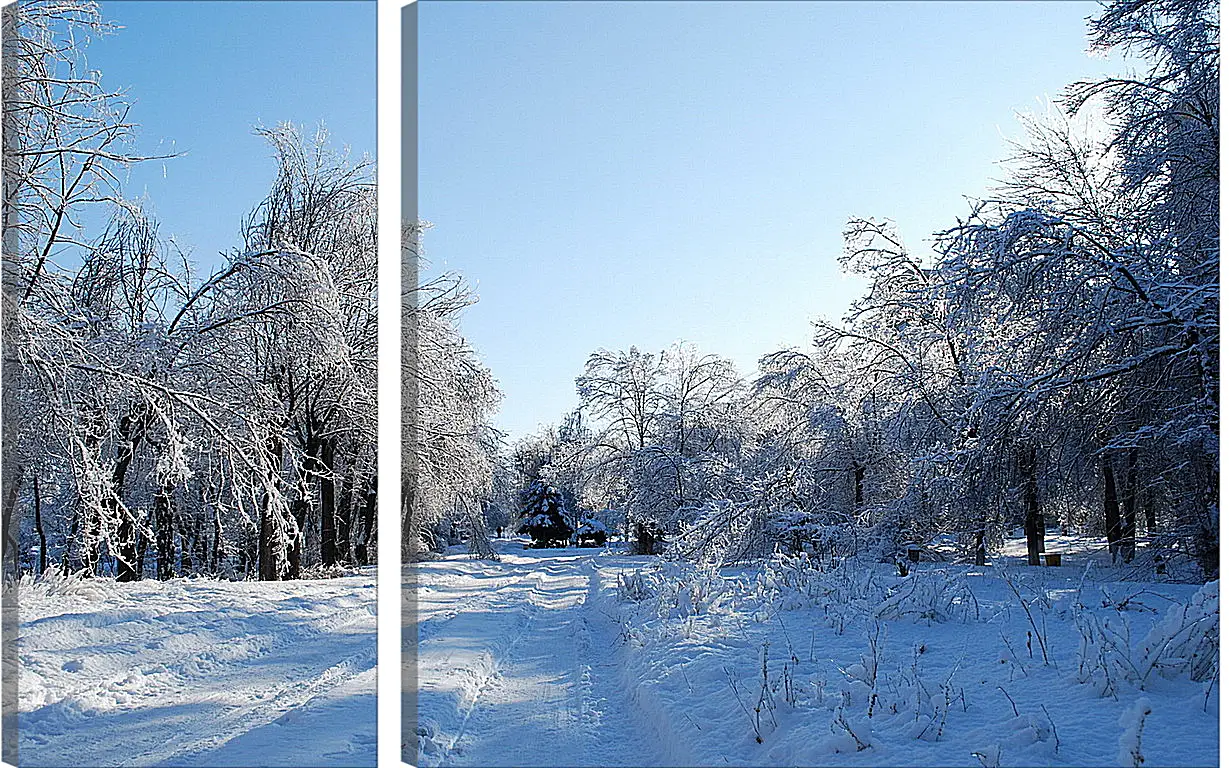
column 813, row 384
column 189, row 383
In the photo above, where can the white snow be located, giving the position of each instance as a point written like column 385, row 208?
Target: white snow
column 198, row 672
column 584, row 657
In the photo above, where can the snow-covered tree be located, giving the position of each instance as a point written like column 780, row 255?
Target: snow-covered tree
column 449, row 444
column 543, row 515
column 150, row 408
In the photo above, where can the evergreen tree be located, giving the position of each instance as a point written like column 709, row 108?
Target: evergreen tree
column 542, row 514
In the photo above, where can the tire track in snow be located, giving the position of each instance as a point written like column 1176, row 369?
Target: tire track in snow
column 284, row 701
column 483, row 685
column 522, row 672
column 555, row 693
column 208, row 663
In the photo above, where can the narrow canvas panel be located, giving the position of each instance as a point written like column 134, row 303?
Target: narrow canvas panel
column 189, row 383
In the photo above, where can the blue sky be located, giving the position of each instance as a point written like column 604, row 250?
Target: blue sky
column 202, row 74
column 616, row 174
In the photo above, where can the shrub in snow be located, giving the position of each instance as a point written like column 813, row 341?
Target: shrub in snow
column 1131, row 743
column 725, row 532
column 634, row 587
column 1184, row 643
column 989, row 757
column 1104, row 655
column 1026, row 729
column 850, row 732
column 430, row 741
column 929, row 596
column 542, row 516
column 591, row 533
column 684, row 589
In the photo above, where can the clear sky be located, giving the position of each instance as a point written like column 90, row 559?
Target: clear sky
column 202, row 74
column 616, row 174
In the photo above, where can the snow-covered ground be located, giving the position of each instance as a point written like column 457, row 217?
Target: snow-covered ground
column 516, row 665
column 198, row 672
column 587, row 657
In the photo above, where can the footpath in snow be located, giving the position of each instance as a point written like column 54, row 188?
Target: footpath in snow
column 198, row 672
column 517, row 665
column 586, row 657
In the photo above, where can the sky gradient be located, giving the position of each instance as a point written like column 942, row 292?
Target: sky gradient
column 617, row 174
column 202, row 74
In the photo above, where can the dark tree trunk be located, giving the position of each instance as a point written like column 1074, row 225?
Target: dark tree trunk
column 269, row 552
column 69, row 563
column 9, row 557
column 1113, row 524
column 645, row 539
column 366, row 523
column 411, row 537
column 859, row 474
column 200, row 547
column 267, row 565
column 979, row 547
column 127, row 550
column 328, row 502
column 345, row 507
column 300, row 505
column 1034, row 523
column 215, row 552
column 298, row 509
column 1204, row 525
column 189, row 545
column 83, row 540
column 142, row 545
column 38, row 527
column 1127, row 546
column 164, row 522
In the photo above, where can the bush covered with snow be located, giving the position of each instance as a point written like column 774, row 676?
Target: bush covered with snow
column 591, row 533
column 1184, row 643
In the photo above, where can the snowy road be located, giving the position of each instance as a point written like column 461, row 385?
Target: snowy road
column 535, row 660
column 196, row 672
column 517, row 666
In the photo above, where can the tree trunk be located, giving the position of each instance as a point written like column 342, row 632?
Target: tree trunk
column 38, row 527
column 269, row 552
column 328, row 502
column 9, row 557
column 189, row 545
column 142, row 545
column 69, row 563
column 267, row 565
column 1034, row 523
column 366, row 523
column 165, row 531
column 1113, row 525
column 215, row 552
column 345, row 512
column 411, row 542
column 1127, row 547
column 300, row 505
column 127, row 551
column 298, row 509
column 859, row 474
column 1204, row 525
